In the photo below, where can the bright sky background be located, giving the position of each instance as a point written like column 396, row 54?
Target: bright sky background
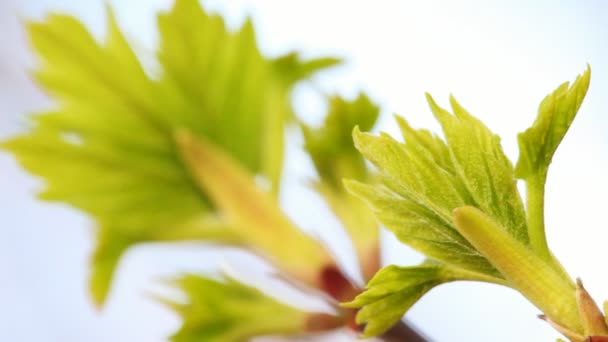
column 498, row 58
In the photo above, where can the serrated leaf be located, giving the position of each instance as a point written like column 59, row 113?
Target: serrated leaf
column 421, row 188
column 426, row 179
column 411, row 174
column 483, row 167
column 226, row 310
column 536, row 148
column 108, row 148
column 394, row 290
column 555, row 114
column 335, row 158
column 426, row 143
column 208, row 69
column 422, row 229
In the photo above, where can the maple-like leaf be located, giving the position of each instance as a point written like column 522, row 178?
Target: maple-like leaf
column 456, row 201
column 394, row 290
column 425, row 179
column 538, row 144
column 108, row 146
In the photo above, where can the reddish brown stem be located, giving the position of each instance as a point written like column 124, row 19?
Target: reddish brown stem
column 402, row 332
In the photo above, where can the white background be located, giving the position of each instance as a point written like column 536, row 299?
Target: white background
column 498, row 58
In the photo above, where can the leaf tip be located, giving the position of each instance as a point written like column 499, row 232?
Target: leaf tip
column 357, row 137
column 430, row 100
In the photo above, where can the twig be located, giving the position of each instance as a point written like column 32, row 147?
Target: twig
column 402, row 332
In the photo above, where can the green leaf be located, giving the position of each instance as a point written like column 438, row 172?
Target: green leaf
column 114, row 241
column 536, row 148
column 335, row 158
column 226, row 310
column 412, row 174
column 426, row 179
column 331, row 146
column 108, row 148
column 423, row 183
column 483, row 167
column 419, row 227
column 555, row 114
column 292, row 68
column 425, row 143
column 208, row 69
column 394, row 290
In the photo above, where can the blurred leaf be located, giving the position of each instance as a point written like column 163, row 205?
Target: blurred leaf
column 335, row 158
column 555, row 114
column 394, row 290
column 292, row 68
column 605, row 307
column 114, row 241
column 331, row 146
column 252, row 212
column 109, row 149
column 243, row 95
column 226, row 310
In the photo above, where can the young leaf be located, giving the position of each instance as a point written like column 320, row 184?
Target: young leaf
column 425, row 179
column 424, row 182
column 226, row 310
column 394, row 290
column 483, row 167
column 412, row 174
column 335, row 158
column 218, row 85
column 536, row 148
column 555, row 114
column 421, row 228
column 108, row 148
